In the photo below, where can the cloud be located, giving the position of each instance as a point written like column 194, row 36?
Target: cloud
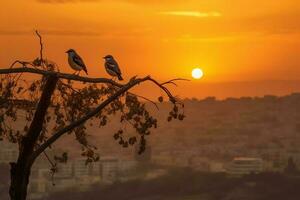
column 104, row 34
column 51, row 32
column 192, row 14
column 15, row 32
column 166, row 2
column 278, row 23
column 66, row 1
column 128, row 1
column 58, row 33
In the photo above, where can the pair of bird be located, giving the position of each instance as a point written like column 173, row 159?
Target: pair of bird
column 111, row 65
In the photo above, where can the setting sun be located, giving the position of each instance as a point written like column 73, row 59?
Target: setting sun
column 197, row 73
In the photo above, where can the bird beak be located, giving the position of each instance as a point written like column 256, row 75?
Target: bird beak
column 103, row 57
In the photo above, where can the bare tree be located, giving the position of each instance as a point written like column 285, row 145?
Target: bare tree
column 72, row 104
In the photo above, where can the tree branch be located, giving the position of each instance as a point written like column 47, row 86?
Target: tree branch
column 41, row 46
column 86, row 79
column 145, row 98
column 173, row 80
column 66, row 76
column 36, row 126
column 92, row 113
column 23, row 63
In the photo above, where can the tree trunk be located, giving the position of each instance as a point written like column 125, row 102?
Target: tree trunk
column 20, row 171
column 19, row 180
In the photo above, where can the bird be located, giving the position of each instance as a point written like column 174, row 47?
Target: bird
column 75, row 61
column 112, row 67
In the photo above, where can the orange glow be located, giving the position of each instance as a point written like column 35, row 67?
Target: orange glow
column 236, row 41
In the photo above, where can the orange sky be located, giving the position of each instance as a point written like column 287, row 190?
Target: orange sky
column 231, row 40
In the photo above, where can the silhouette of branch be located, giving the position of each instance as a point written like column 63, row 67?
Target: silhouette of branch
column 59, row 75
column 41, row 46
column 172, row 81
column 69, row 87
column 49, row 160
column 92, row 113
column 31, row 137
column 86, row 79
column 23, row 63
column 166, row 90
column 145, row 98
column 92, row 80
column 26, row 63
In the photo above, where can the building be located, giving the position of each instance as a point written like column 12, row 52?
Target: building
column 125, row 166
column 75, row 174
column 244, row 165
column 145, row 156
column 64, row 170
column 81, row 168
column 8, row 152
column 39, row 183
column 108, row 169
column 216, row 167
column 198, row 163
column 164, row 159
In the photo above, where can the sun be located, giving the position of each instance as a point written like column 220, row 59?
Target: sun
column 197, row 73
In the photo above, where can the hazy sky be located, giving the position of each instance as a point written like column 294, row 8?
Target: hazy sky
column 231, row 40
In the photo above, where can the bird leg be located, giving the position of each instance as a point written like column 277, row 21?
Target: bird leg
column 76, row 73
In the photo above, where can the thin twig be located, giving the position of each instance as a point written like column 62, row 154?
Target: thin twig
column 145, row 98
column 66, row 85
column 41, row 47
column 49, row 160
column 172, row 81
column 23, row 63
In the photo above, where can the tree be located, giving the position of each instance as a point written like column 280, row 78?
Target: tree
column 68, row 101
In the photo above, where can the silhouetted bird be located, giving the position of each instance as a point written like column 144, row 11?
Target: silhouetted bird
column 75, row 61
column 112, row 67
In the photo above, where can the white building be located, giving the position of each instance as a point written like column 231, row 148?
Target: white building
column 243, row 165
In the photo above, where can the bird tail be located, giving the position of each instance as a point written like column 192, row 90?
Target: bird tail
column 120, row 77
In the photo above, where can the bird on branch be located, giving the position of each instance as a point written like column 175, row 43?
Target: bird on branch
column 112, row 67
column 75, row 61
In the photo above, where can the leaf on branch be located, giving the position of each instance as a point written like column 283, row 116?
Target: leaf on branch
column 160, row 99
